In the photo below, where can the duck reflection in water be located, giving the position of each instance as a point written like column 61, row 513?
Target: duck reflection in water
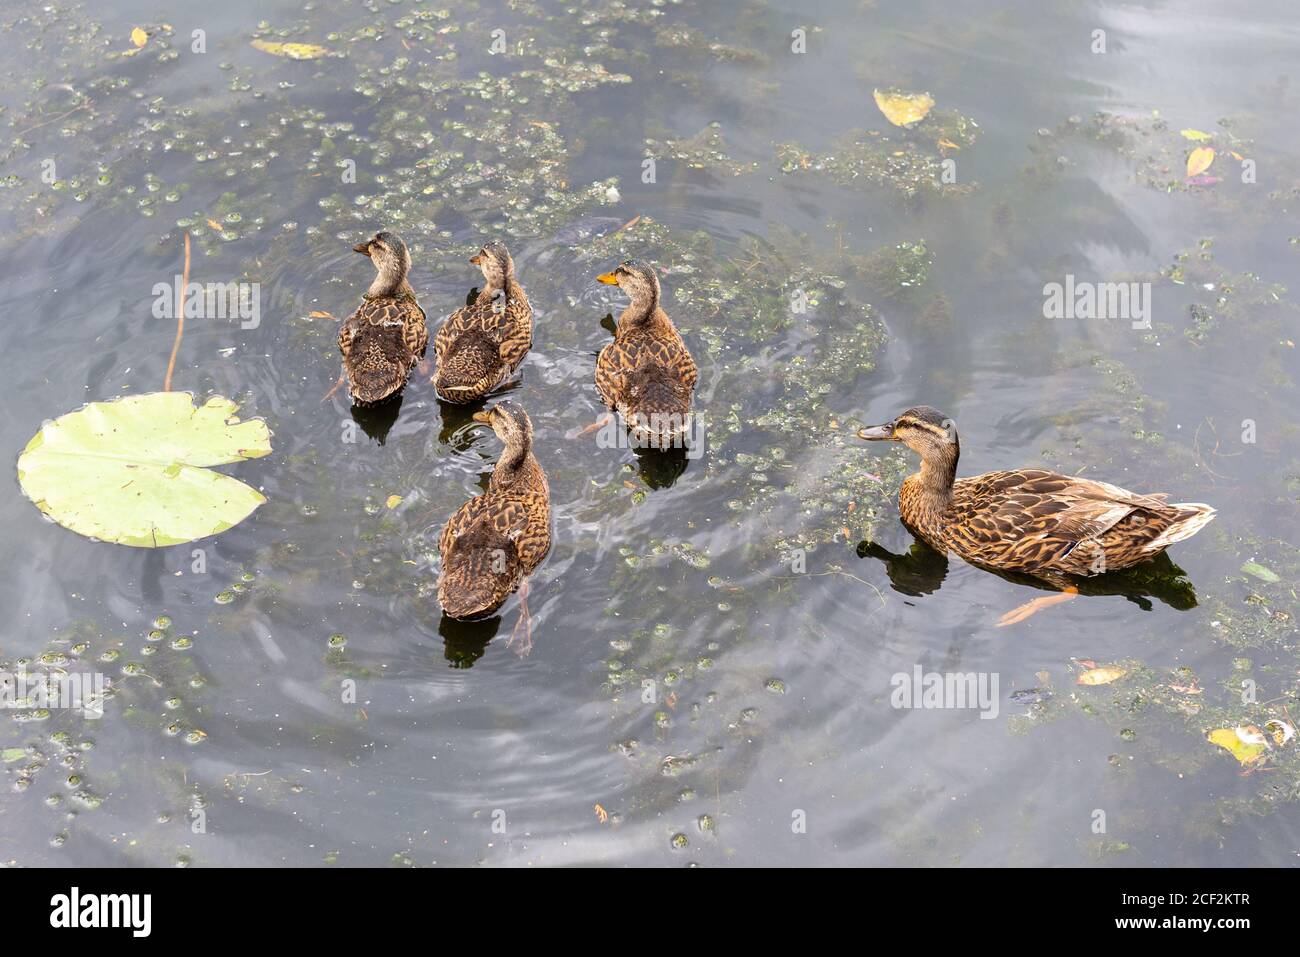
column 921, row 570
column 661, row 468
column 465, row 642
column 377, row 420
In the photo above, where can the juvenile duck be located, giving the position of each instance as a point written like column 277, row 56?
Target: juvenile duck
column 383, row 340
column 495, row 540
column 480, row 345
column 1029, row 520
column 646, row 374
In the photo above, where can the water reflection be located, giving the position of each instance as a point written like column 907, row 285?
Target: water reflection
column 378, row 420
column 921, row 570
column 465, row 642
column 770, row 689
column 661, row 468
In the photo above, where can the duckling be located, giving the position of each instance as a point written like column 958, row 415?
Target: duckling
column 646, row 374
column 493, row 542
column 1032, row 521
column 480, row 345
column 383, row 340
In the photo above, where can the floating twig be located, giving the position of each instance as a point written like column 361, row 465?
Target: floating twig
column 180, row 317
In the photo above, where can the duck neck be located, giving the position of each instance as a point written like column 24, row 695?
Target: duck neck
column 390, row 283
column 640, row 311
column 507, row 289
column 935, row 480
column 512, row 464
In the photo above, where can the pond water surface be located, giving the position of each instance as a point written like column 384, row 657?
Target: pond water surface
column 714, row 638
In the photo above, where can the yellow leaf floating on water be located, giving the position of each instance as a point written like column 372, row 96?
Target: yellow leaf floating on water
column 1199, row 160
column 1197, row 136
column 1230, row 740
column 139, row 37
column 294, row 51
column 903, row 109
column 393, row 501
column 1102, row 676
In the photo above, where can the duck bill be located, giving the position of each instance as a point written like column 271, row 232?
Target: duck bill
column 484, row 417
column 476, row 259
column 608, row 278
column 363, row 248
column 876, row 433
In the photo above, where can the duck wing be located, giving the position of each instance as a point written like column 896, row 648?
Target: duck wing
column 480, row 568
column 1035, row 520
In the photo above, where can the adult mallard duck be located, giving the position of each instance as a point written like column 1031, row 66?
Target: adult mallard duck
column 646, row 374
column 1033, row 521
column 495, row 540
column 479, row 345
column 383, row 340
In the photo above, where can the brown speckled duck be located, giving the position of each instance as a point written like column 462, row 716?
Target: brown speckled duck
column 384, row 339
column 646, row 374
column 480, row 345
column 495, row 540
column 1033, row 521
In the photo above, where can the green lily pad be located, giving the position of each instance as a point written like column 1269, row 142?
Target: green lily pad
column 12, row 754
column 135, row 470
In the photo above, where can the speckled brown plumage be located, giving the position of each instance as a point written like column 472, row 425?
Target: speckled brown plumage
column 478, row 346
column 646, row 374
column 381, row 343
column 1029, row 520
column 383, row 340
column 493, row 541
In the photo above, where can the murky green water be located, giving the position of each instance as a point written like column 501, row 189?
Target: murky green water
column 718, row 706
